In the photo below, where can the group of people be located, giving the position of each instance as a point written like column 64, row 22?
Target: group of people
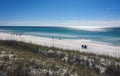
column 84, row 46
column 17, row 34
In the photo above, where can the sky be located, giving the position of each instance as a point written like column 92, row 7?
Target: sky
column 83, row 13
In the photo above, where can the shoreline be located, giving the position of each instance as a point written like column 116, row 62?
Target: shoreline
column 70, row 44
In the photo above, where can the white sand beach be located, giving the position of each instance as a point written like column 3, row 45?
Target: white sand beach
column 92, row 47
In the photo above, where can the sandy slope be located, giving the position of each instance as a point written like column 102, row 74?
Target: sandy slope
column 93, row 47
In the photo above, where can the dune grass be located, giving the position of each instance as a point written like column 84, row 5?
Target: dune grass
column 35, row 48
column 31, row 51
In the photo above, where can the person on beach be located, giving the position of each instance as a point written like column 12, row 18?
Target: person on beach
column 84, row 46
column 17, row 34
column 59, row 38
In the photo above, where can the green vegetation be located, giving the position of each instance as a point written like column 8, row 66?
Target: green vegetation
column 49, row 61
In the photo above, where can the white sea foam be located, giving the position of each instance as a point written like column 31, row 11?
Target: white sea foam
column 50, row 34
column 86, row 28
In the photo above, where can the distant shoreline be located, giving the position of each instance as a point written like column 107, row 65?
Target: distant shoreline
column 92, row 47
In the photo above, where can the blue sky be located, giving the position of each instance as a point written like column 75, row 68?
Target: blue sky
column 60, row 12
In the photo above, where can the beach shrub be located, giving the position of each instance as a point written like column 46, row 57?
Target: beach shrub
column 6, row 58
column 113, row 70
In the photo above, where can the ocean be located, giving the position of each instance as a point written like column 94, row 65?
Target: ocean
column 105, row 35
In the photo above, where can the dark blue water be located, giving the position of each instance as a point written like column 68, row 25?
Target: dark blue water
column 109, row 35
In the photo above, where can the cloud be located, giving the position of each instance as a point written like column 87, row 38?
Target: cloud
column 72, row 23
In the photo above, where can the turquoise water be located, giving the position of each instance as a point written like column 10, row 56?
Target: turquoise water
column 107, row 35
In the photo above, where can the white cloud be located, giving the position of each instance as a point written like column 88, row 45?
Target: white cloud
column 73, row 23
